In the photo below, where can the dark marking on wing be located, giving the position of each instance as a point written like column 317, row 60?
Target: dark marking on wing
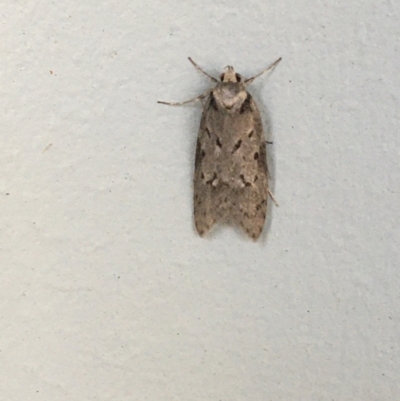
column 261, row 204
column 200, row 153
column 237, row 146
column 246, row 183
column 213, row 103
column 246, row 106
column 212, row 179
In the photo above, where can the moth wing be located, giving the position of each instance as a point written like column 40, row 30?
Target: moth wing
column 234, row 192
column 252, row 199
column 203, row 198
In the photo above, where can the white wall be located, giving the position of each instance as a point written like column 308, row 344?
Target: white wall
column 107, row 292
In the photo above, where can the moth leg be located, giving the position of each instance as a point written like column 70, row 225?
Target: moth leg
column 202, row 96
column 199, row 69
column 273, row 197
column 250, row 80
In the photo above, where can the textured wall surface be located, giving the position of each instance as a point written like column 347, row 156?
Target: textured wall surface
column 107, row 292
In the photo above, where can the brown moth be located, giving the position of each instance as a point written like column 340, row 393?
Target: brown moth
column 231, row 173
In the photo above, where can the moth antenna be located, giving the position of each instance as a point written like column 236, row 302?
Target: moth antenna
column 202, row 96
column 201, row 70
column 250, row 80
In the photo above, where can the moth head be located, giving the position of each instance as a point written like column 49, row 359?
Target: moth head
column 230, row 75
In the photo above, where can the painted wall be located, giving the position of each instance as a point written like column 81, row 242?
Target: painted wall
column 107, row 292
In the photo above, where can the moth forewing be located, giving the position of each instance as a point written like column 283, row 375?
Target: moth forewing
column 230, row 174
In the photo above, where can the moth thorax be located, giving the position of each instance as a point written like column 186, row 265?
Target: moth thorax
column 231, row 95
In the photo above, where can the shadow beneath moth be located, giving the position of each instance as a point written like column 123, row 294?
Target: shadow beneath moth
column 231, row 172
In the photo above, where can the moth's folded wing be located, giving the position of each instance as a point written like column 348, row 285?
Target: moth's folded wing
column 203, row 193
column 253, row 198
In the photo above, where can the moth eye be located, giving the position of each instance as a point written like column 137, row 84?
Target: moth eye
column 238, row 77
column 221, row 77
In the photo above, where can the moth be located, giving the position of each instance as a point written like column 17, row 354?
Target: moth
column 230, row 174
